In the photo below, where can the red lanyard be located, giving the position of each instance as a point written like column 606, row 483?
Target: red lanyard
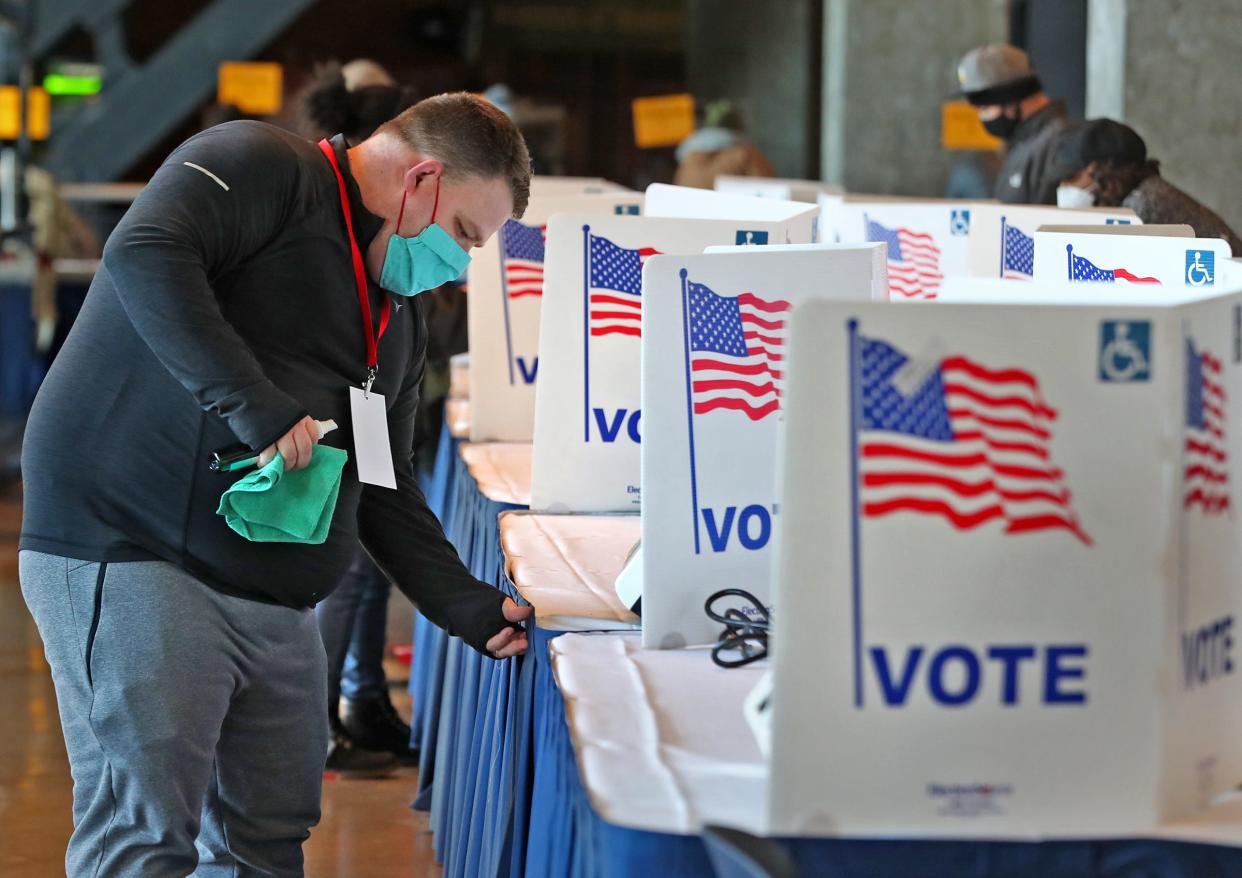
column 360, row 277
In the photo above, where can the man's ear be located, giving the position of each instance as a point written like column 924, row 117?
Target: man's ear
column 426, row 171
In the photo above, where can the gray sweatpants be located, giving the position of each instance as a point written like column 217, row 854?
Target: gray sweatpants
column 196, row 723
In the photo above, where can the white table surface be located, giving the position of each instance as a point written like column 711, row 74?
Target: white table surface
column 566, row 566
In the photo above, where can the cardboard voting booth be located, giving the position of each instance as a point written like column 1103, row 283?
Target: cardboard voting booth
column 879, row 269
column 1002, row 239
column 926, row 240
column 1006, row 588
column 713, row 368
column 1139, row 260
column 775, row 187
column 550, row 185
column 801, row 219
column 506, row 292
column 588, row 410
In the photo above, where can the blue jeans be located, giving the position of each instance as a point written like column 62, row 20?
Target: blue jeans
column 353, row 622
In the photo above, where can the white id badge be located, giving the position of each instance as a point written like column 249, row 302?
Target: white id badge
column 372, row 453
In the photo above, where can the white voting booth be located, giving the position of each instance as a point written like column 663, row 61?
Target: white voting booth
column 506, row 293
column 1006, row 587
column 802, row 220
column 779, row 188
column 1002, row 236
column 713, row 369
column 587, row 403
column 1140, row 260
column 926, row 240
column 550, row 185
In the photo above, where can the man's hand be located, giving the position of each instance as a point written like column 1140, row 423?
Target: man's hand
column 295, row 446
column 511, row 641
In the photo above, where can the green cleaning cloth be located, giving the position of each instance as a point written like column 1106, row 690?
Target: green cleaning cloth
column 273, row 506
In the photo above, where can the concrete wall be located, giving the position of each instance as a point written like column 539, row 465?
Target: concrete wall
column 888, row 67
column 763, row 57
column 1169, row 69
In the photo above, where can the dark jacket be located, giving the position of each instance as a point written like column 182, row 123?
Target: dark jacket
column 1156, row 200
column 225, row 309
column 1029, row 174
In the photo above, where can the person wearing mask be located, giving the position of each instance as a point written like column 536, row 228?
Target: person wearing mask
column 1001, row 84
column 368, row 735
column 1105, row 164
column 261, row 281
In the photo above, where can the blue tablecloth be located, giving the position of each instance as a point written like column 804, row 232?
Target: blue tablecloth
column 469, row 711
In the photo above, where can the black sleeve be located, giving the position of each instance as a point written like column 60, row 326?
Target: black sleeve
column 405, row 539
column 217, row 200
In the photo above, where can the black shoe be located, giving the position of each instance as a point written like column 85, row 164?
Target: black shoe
column 346, row 756
column 375, row 724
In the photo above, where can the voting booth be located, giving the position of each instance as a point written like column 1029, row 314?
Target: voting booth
column 925, row 240
column 1006, row 585
column 780, row 188
column 587, row 402
column 1002, row 239
column 713, row 368
column 1156, row 261
column 802, row 220
column 541, row 184
column 506, row 292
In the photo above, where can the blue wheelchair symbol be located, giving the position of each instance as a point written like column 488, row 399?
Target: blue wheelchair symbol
column 1114, row 221
column 1200, row 268
column 625, row 209
column 748, row 237
column 959, row 222
column 1125, row 351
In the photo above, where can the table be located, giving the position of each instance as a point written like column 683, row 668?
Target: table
column 482, row 737
column 640, row 749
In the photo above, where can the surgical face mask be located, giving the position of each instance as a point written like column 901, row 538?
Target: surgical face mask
column 1074, row 196
column 422, row 262
column 1002, row 126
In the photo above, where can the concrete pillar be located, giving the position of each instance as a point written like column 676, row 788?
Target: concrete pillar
column 888, row 67
column 1168, row 68
column 765, row 58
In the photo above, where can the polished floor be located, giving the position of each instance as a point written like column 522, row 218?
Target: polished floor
column 367, row 830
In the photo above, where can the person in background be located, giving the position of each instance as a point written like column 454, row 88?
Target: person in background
column 719, row 149
column 1001, row 84
column 368, row 734
column 1106, row 165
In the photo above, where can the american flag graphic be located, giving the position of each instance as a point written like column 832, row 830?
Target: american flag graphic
column 913, row 261
column 737, row 352
column 1084, row 269
column 522, row 250
column 612, row 270
column 1017, row 253
column 958, row 440
column 1207, row 472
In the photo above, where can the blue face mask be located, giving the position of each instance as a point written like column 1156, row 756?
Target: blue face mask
column 424, row 261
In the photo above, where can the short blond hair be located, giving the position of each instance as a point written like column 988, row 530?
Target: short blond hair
column 470, row 136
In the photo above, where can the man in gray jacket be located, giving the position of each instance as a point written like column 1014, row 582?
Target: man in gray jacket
column 999, row 81
column 260, row 282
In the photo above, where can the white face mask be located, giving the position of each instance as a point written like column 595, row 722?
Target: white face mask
column 1073, row 196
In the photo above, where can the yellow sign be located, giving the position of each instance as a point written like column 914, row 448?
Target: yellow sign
column 665, row 120
column 254, row 87
column 38, row 113
column 960, row 128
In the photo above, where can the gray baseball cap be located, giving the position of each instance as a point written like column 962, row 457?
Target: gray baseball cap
column 996, row 73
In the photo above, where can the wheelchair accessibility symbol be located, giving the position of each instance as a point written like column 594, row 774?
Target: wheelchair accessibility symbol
column 1125, row 351
column 748, row 237
column 959, row 222
column 1200, row 268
